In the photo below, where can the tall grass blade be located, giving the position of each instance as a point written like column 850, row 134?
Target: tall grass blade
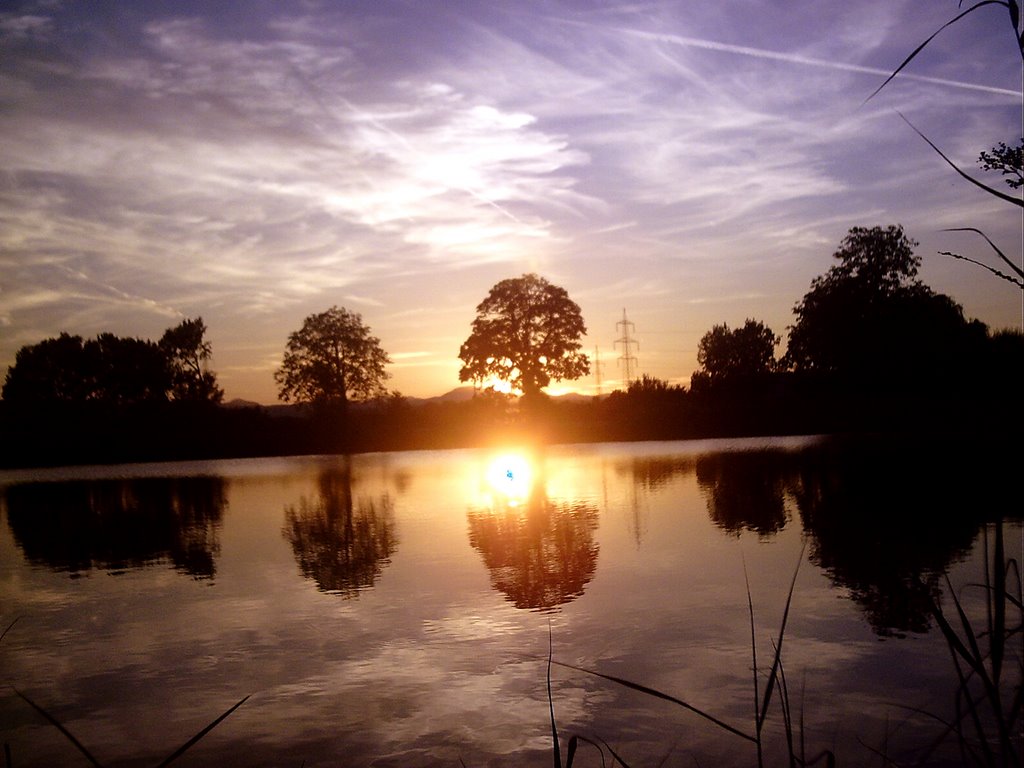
column 754, row 655
column 935, row 34
column 991, row 190
column 57, row 724
column 787, row 714
column 659, row 695
column 2, row 636
column 997, row 600
column 1006, row 259
column 191, row 742
column 614, row 754
column 776, row 662
column 551, row 709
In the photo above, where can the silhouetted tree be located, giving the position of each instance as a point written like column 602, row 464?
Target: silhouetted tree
column 126, row 370
column 648, row 385
column 107, row 369
column 869, row 318
column 187, row 354
column 332, row 359
column 727, row 355
column 526, row 332
column 52, row 370
column 1009, row 161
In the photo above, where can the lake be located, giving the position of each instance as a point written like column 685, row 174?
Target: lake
column 397, row 608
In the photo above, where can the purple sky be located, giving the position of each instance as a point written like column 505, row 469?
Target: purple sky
column 692, row 163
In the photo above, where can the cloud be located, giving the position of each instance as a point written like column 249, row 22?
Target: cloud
column 256, row 168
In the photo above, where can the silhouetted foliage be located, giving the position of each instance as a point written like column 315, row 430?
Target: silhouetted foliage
column 332, row 359
column 340, row 541
column 113, row 525
column 1009, row 161
column 869, row 320
column 187, row 354
column 114, row 370
column 126, row 370
column 728, row 356
column 526, row 332
column 648, row 386
column 50, row 371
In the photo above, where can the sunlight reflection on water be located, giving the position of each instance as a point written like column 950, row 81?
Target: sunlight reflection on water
column 396, row 607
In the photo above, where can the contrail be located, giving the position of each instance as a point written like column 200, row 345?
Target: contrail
column 807, row 61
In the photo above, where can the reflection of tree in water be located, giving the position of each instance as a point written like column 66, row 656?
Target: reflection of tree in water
column 117, row 524
column 340, row 542
column 886, row 524
column 540, row 554
column 745, row 490
column 654, row 472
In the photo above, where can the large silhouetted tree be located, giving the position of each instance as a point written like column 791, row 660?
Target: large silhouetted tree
column 731, row 355
column 187, row 354
column 332, row 359
column 526, row 332
column 869, row 318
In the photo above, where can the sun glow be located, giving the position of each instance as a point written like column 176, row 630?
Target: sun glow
column 510, row 476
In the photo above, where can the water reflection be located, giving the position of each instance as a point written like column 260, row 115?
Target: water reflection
column 540, row 553
column 113, row 525
column 341, row 541
column 884, row 527
column 745, row 490
column 652, row 473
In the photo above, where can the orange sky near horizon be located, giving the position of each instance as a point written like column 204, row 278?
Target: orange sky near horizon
column 692, row 164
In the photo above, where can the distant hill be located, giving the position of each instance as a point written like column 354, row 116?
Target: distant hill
column 457, row 395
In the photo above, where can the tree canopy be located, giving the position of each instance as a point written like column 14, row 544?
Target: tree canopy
column 115, row 369
column 332, row 359
column 869, row 317
column 730, row 355
column 187, row 355
column 526, row 333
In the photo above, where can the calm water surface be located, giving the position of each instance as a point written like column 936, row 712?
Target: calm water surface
column 395, row 609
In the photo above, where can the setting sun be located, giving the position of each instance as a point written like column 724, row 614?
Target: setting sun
column 509, row 477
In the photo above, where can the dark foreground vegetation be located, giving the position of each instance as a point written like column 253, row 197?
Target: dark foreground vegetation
column 770, row 404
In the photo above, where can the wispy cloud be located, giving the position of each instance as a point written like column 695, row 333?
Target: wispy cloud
column 687, row 159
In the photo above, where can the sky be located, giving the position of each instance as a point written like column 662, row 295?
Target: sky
column 687, row 163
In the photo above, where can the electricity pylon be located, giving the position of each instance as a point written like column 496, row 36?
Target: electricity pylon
column 597, row 370
column 627, row 359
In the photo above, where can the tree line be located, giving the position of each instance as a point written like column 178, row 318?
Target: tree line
column 115, row 370
column 872, row 347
